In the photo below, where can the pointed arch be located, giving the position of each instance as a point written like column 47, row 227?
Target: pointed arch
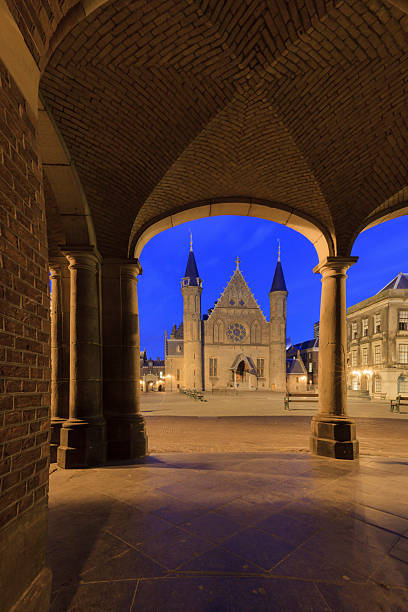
column 255, row 332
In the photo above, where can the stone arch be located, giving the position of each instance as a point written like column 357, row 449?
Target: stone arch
column 247, row 207
column 394, row 207
column 72, row 210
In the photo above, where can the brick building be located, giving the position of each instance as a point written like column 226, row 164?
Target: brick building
column 121, row 119
column 377, row 341
column 233, row 345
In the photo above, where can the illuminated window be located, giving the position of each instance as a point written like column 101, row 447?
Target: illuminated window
column 178, row 375
column 364, row 327
column 377, row 323
column 403, row 353
column 310, row 366
column 213, row 366
column 403, row 384
column 377, row 354
column 260, row 368
column 403, row 320
column 377, row 384
column 354, row 357
column 354, row 330
column 364, row 355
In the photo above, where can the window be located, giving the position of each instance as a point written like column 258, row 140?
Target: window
column 403, row 384
column 377, row 323
column 403, row 353
column 377, row 384
column 213, row 366
column 365, row 327
column 377, row 354
column 354, row 357
column 364, row 355
column 260, row 368
column 310, row 366
column 354, row 330
column 403, row 320
column 178, row 375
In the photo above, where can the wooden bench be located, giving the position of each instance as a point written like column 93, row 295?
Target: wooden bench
column 396, row 404
column 300, row 397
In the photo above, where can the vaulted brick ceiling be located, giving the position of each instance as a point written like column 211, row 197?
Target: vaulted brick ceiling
column 164, row 103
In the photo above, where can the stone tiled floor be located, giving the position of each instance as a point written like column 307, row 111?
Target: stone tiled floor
column 233, row 532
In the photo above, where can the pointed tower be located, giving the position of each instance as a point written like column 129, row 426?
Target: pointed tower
column 191, row 288
column 277, row 336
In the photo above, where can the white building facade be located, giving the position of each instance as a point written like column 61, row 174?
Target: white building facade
column 377, row 342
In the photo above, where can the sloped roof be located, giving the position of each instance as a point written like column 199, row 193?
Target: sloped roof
column 294, row 366
column 236, row 294
column 278, row 283
column 399, row 282
column 191, row 269
column 302, row 346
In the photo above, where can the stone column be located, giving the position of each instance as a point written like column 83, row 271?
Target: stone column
column 333, row 433
column 59, row 349
column 126, row 433
column 82, row 440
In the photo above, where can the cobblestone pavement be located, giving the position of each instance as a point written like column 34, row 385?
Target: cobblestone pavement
column 231, row 532
column 179, row 424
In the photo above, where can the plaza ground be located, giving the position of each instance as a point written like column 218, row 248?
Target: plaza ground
column 257, row 422
column 232, row 513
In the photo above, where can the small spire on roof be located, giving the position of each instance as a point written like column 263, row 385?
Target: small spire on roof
column 278, row 249
column 191, row 241
column 237, row 262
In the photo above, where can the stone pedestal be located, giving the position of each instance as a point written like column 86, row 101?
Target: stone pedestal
column 333, row 433
column 60, row 280
column 126, row 435
column 82, row 437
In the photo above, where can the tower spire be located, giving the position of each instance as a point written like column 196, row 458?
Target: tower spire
column 278, row 249
column 191, row 241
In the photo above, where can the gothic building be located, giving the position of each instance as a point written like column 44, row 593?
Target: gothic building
column 233, row 346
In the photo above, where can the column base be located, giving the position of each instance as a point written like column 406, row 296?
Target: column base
column 334, row 437
column 82, row 444
column 56, row 424
column 127, row 439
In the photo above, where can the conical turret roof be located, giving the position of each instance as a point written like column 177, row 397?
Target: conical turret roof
column 278, row 283
column 191, row 269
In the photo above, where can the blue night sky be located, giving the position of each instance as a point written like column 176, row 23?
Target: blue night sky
column 382, row 251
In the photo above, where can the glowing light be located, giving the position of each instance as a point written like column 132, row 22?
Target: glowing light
column 356, row 373
column 368, row 372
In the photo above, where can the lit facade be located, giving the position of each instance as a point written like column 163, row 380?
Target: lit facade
column 377, row 342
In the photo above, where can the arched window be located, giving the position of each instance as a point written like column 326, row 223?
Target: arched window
column 403, row 384
column 255, row 333
column 218, row 332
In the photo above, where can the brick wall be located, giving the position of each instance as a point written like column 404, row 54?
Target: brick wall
column 24, row 312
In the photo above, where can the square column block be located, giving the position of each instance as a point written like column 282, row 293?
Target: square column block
column 56, row 425
column 334, row 437
column 82, row 444
column 126, row 436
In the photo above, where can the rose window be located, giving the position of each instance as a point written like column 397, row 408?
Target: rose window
column 236, row 332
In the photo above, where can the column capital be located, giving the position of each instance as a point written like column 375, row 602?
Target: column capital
column 125, row 265
column 82, row 257
column 333, row 265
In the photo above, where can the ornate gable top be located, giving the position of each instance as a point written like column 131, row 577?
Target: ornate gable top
column 236, row 294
